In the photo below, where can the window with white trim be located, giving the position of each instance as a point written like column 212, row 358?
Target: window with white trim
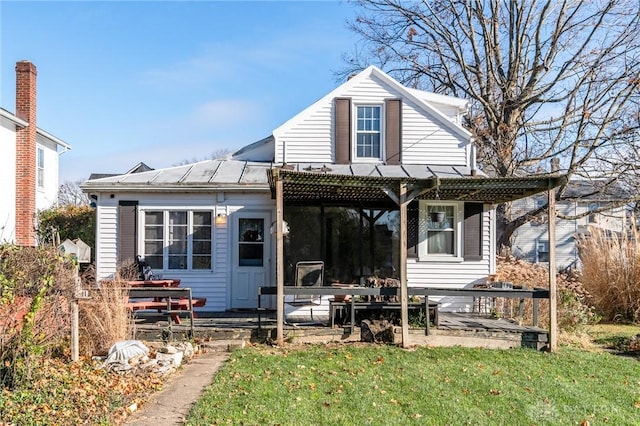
column 440, row 230
column 542, row 251
column 40, row 167
column 178, row 239
column 368, row 143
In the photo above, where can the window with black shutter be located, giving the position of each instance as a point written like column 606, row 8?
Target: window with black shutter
column 473, row 231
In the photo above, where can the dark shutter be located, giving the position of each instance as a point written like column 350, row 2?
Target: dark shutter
column 127, row 231
column 393, row 129
column 473, row 231
column 343, row 130
column 413, row 229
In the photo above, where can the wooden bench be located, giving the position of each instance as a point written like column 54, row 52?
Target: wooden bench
column 172, row 301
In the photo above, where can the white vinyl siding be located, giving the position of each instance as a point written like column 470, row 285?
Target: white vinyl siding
column 526, row 237
column 445, row 274
column 309, row 137
column 8, row 178
column 212, row 284
column 47, row 194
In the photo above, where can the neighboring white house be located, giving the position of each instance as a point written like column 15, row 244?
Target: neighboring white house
column 210, row 223
column 28, row 163
column 531, row 240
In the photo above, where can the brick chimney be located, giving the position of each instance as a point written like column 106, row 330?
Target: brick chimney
column 26, row 154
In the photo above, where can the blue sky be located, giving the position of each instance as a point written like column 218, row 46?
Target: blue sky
column 163, row 82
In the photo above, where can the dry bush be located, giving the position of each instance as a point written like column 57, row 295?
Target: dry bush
column 611, row 273
column 36, row 285
column 573, row 311
column 104, row 318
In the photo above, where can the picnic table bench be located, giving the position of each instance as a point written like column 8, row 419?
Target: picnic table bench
column 172, row 301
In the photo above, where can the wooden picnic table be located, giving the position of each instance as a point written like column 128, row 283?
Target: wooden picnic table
column 154, row 283
column 163, row 296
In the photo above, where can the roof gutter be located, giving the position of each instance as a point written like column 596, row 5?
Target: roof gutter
column 58, row 141
column 190, row 188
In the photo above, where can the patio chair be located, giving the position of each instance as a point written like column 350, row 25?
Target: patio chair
column 308, row 274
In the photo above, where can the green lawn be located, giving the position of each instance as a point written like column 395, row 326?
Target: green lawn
column 380, row 385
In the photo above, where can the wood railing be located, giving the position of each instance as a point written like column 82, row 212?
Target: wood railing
column 426, row 292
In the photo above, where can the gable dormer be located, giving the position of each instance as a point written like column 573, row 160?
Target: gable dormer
column 372, row 118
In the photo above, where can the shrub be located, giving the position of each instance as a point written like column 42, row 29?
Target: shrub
column 35, row 287
column 104, row 318
column 611, row 273
column 573, row 310
column 69, row 221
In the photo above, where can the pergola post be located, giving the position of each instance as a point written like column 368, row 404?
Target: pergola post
column 279, row 264
column 404, row 297
column 553, row 300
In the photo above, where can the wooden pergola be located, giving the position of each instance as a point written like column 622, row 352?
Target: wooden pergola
column 323, row 186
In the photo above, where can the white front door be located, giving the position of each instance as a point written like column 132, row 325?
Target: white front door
column 251, row 257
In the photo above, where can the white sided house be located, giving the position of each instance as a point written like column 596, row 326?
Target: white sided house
column 211, row 224
column 595, row 205
column 28, row 163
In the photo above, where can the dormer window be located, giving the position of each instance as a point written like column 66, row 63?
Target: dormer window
column 368, row 133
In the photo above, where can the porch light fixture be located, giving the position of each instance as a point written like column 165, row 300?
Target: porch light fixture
column 221, row 218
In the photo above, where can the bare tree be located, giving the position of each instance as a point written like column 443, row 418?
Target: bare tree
column 70, row 193
column 547, row 79
column 218, row 154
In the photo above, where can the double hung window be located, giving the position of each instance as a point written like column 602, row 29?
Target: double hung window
column 542, row 251
column 440, row 229
column 40, row 167
column 178, row 239
column 368, row 132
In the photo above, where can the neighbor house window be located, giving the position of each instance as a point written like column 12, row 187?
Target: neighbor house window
column 368, row 133
column 542, row 251
column 40, row 170
column 539, row 203
column 594, row 215
column 440, row 230
column 178, row 239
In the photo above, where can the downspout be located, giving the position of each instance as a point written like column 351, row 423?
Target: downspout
column 472, row 158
